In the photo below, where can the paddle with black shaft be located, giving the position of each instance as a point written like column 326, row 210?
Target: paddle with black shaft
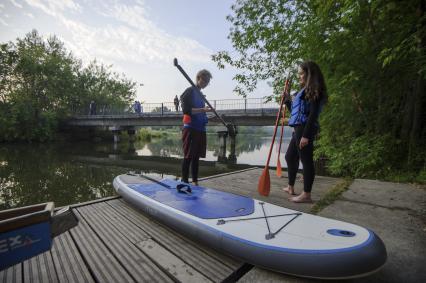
column 286, row 92
column 181, row 188
column 264, row 184
column 229, row 127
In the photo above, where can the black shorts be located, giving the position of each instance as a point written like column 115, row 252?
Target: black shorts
column 194, row 143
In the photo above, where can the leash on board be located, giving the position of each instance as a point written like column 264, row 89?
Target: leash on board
column 181, row 188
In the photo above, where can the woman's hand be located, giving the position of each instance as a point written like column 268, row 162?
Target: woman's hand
column 207, row 109
column 303, row 142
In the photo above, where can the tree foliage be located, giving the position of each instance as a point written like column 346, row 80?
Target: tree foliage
column 373, row 57
column 41, row 83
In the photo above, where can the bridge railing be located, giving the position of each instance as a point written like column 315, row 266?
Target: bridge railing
column 164, row 108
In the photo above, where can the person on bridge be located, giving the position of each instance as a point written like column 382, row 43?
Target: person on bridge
column 137, row 107
column 176, row 102
column 194, row 141
column 92, row 108
column 305, row 108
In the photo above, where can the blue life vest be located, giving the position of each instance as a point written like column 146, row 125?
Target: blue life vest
column 299, row 110
column 198, row 120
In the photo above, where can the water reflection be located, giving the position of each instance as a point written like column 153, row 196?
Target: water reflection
column 40, row 173
column 249, row 149
column 69, row 173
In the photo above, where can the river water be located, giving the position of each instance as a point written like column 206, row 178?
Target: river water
column 69, row 173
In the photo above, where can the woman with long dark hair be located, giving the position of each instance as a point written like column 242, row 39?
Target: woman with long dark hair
column 305, row 109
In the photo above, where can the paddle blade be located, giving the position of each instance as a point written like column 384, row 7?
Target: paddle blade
column 279, row 170
column 264, row 185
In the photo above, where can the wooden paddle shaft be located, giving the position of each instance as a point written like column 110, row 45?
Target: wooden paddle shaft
column 286, row 92
column 276, row 125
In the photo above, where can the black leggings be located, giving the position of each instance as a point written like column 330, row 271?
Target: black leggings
column 292, row 156
column 194, row 169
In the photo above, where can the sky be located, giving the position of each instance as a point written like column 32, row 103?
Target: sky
column 139, row 38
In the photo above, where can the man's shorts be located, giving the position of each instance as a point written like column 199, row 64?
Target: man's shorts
column 194, row 143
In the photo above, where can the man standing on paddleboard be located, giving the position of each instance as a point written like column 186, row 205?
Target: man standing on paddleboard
column 194, row 139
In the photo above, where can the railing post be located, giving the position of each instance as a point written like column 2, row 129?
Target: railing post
column 245, row 105
column 162, row 109
column 214, row 103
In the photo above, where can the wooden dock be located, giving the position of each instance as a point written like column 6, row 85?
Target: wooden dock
column 114, row 242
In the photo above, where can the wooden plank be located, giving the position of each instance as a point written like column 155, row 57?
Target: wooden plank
column 92, row 201
column 141, row 268
column 40, row 269
column 69, row 264
column 208, row 262
column 121, row 222
column 12, row 274
column 168, row 262
column 101, row 262
column 245, row 171
column 162, row 231
column 173, row 264
column 15, row 218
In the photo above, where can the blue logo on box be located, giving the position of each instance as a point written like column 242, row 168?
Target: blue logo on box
column 21, row 244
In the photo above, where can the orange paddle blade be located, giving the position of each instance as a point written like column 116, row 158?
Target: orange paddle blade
column 264, row 185
column 279, row 170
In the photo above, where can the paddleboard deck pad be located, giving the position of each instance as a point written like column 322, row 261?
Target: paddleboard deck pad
column 258, row 232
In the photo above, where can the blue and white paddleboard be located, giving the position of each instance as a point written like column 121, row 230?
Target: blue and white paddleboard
column 258, row 232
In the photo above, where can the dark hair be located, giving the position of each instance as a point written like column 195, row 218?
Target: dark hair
column 315, row 87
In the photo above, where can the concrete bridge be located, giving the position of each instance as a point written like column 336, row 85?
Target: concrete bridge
column 240, row 112
column 265, row 117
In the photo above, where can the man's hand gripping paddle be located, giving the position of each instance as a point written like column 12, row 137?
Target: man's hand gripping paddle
column 230, row 127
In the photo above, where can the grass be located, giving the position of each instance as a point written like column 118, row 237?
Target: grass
column 407, row 177
column 332, row 195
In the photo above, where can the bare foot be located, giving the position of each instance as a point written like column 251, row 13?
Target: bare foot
column 289, row 190
column 302, row 198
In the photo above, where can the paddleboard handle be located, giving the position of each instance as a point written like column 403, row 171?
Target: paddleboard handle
column 184, row 189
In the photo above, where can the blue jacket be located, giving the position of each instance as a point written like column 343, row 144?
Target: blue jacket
column 299, row 110
column 191, row 98
column 305, row 113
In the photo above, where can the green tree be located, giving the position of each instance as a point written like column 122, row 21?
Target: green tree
column 372, row 54
column 108, row 89
column 41, row 83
